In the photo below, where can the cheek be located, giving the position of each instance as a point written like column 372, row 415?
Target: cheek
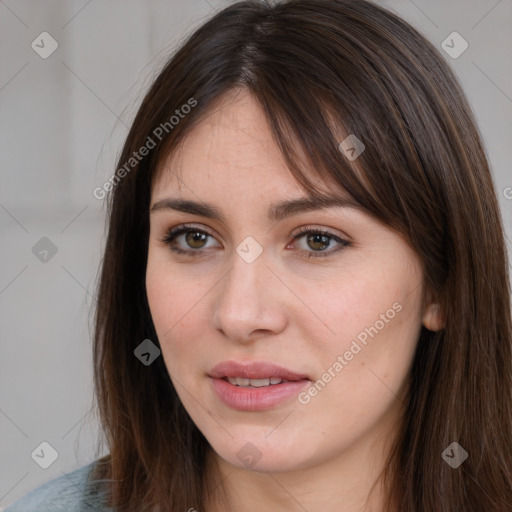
column 373, row 322
column 177, row 310
column 342, row 308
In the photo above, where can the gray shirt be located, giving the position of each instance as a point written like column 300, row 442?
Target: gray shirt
column 68, row 493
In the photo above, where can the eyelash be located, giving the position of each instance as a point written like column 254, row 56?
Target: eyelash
column 173, row 233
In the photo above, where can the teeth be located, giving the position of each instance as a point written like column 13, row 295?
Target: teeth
column 255, row 383
column 258, row 383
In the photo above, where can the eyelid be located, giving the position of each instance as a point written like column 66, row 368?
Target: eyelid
column 171, row 234
column 176, row 231
column 300, row 230
column 335, row 233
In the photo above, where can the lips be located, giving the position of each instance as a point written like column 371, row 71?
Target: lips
column 257, row 370
column 256, row 386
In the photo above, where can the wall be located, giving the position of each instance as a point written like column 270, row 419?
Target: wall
column 62, row 123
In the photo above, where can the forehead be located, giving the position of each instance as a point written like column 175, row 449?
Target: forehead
column 231, row 149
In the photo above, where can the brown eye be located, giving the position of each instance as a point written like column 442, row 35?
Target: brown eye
column 319, row 241
column 196, row 239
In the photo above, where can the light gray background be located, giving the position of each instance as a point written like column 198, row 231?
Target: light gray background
column 63, row 121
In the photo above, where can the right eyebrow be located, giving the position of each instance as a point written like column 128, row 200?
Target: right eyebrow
column 276, row 212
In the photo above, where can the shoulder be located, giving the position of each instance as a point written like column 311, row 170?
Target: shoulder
column 66, row 493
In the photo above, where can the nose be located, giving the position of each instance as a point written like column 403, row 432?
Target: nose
column 249, row 303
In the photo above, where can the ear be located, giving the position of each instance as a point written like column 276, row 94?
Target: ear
column 433, row 317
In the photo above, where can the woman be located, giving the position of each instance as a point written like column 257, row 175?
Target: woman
column 304, row 301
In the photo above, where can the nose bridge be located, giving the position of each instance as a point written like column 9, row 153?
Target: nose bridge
column 244, row 302
column 240, row 290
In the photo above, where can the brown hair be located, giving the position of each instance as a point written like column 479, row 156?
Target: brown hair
column 315, row 65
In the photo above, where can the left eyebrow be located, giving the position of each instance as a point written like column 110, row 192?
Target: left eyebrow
column 276, row 212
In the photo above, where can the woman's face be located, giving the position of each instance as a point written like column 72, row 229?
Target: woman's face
column 336, row 316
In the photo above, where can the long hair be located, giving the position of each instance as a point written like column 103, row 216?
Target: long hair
column 322, row 70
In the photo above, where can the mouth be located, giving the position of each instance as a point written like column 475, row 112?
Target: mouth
column 256, row 374
column 254, row 383
column 256, row 386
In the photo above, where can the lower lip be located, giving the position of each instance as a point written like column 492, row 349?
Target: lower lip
column 257, row 399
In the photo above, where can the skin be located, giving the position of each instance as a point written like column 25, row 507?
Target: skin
column 295, row 311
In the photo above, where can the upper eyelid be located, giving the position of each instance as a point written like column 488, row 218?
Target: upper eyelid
column 180, row 229
column 296, row 231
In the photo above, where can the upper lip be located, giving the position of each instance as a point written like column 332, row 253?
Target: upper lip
column 255, row 370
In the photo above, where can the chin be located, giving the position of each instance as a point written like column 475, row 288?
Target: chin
column 255, row 453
